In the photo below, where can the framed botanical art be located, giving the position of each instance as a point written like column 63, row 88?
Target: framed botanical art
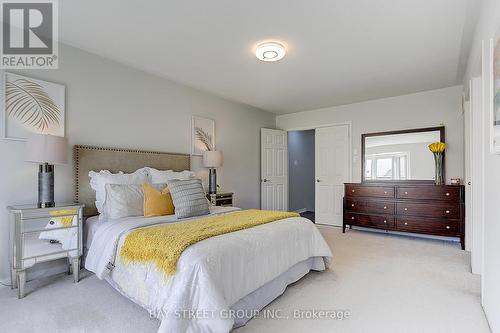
column 31, row 105
column 202, row 135
column 495, row 93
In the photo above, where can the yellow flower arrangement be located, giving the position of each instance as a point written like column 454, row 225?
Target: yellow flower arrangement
column 437, row 147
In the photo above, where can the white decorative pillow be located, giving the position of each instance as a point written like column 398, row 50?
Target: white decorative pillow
column 189, row 198
column 98, row 181
column 163, row 176
column 124, row 200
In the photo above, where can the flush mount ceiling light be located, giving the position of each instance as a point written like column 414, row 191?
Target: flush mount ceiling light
column 270, row 51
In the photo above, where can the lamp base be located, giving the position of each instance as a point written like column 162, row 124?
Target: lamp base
column 46, row 185
column 212, row 181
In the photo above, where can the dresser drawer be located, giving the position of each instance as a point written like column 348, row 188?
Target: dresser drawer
column 431, row 192
column 370, row 191
column 370, row 206
column 384, row 222
column 427, row 226
column 435, row 209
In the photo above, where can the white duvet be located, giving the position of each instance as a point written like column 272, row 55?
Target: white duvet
column 211, row 275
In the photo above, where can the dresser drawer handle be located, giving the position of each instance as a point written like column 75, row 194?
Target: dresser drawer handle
column 447, row 212
column 352, row 218
column 406, row 209
column 385, row 221
column 385, row 192
column 447, row 194
column 353, row 191
column 448, row 227
column 385, row 207
column 406, row 223
column 406, row 192
column 352, row 205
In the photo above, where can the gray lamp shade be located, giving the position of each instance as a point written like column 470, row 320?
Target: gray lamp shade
column 45, row 148
column 212, row 159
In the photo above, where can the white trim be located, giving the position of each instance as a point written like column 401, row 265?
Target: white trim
column 494, row 131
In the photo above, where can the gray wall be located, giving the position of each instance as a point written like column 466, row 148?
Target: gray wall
column 301, row 170
column 423, row 109
column 110, row 104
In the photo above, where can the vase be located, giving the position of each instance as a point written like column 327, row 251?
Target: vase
column 438, row 161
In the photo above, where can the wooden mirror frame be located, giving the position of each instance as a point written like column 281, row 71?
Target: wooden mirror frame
column 416, row 130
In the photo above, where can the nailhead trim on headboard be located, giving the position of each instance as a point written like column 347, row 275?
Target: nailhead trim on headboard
column 78, row 148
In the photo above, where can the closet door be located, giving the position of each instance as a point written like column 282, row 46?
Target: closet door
column 332, row 171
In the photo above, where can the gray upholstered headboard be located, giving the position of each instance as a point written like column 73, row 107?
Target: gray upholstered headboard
column 87, row 158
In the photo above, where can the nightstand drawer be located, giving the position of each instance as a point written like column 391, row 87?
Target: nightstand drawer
column 221, row 199
column 52, row 245
column 44, row 223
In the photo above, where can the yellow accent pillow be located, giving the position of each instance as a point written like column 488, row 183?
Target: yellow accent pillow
column 157, row 203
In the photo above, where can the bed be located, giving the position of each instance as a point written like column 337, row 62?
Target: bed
column 220, row 282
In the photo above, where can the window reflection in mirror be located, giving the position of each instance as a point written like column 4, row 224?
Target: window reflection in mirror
column 399, row 157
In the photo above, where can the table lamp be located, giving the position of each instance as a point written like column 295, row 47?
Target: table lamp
column 46, row 150
column 212, row 159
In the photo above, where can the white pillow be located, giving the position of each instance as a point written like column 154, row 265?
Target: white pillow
column 98, row 181
column 124, row 200
column 163, row 176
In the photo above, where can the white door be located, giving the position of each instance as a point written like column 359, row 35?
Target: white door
column 477, row 159
column 332, row 171
column 468, row 174
column 274, row 169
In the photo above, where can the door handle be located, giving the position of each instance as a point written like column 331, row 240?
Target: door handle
column 469, row 183
column 317, row 180
column 265, row 180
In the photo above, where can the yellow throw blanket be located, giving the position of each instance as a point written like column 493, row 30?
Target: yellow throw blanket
column 164, row 244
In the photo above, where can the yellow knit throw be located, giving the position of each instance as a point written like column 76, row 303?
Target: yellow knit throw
column 164, row 244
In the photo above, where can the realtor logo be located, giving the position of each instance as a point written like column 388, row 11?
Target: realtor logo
column 29, row 34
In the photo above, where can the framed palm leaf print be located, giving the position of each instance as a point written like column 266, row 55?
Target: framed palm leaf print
column 202, row 135
column 31, row 105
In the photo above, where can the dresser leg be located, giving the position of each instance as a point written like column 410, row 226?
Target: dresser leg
column 21, row 281
column 76, row 269
column 343, row 228
column 13, row 279
column 462, row 242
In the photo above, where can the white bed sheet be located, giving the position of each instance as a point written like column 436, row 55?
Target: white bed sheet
column 212, row 275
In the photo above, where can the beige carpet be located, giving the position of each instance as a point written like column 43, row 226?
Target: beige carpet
column 387, row 283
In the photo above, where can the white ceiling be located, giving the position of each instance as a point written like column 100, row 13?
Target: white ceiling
column 339, row 51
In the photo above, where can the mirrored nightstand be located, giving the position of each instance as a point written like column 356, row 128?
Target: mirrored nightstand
column 44, row 234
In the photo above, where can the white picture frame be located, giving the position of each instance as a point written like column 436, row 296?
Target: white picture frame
column 21, row 118
column 494, row 93
column 207, row 126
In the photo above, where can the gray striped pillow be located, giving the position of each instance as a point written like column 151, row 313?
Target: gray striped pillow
column 188, row 197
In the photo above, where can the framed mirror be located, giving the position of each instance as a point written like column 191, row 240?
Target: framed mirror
column 400, row 156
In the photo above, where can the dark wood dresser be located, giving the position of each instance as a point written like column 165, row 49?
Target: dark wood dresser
column 416, row 208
